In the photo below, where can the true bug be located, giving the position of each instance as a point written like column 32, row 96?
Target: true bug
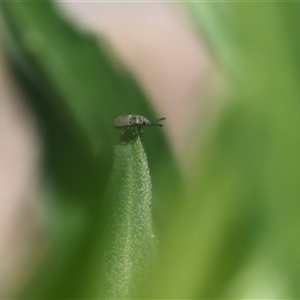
column 135, row 122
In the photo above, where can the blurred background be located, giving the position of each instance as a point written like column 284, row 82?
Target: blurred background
column 225, row 167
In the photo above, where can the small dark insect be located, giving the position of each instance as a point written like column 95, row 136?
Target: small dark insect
column 135, row 122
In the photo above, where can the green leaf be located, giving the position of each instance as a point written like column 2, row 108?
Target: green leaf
column 77, row 92
column 243, row 198
column 130, row 242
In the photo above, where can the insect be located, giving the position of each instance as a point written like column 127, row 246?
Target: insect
column 135, row 122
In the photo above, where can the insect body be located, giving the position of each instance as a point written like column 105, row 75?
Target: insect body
column 135, row 122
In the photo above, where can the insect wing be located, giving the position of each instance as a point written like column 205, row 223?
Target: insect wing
column 121, row 121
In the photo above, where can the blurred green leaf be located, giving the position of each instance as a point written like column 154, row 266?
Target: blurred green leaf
column 244, row 191
column 240, row 213
column 77, row 92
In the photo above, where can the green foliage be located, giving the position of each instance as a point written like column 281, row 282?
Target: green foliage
column 233, row 233
column 244, row 194
column 130, row 237
column 77, row 92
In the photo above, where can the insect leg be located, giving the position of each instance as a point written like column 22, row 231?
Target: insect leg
column 124, row 131
column 140, row 131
